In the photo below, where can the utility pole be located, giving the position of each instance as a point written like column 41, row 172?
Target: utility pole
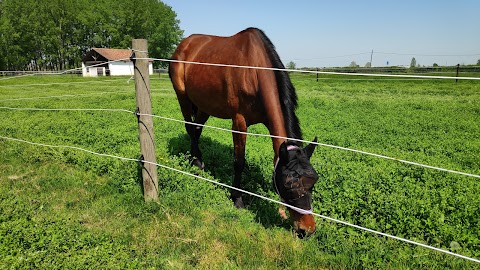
column 371, row 57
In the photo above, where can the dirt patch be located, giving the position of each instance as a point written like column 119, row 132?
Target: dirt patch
column 17, row 177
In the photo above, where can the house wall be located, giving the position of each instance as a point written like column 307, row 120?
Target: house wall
column 121, row 68
column 88, row 71
column 125, row 68
column 116, row 69
column 84, row 70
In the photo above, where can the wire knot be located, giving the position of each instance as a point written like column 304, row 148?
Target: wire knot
column 133, row 57
column 137, row 113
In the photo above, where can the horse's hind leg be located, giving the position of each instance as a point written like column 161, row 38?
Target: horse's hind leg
column 177, row 75
column 189, row 112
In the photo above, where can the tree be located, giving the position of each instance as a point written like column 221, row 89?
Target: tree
column 413, row 63
column 478, row 62
column 435, row 65
column 368, row 65
column 291, row 65
column 353, row 64
column 53, row 34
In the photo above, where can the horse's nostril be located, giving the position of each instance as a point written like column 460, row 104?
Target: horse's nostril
column 304, row 234
column 301, row 233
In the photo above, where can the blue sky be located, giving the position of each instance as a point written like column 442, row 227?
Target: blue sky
column 335, row 33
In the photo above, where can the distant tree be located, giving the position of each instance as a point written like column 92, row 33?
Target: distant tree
column 368, row 64
column 353, row 64
column 291, row 65
column 435, row 65
column 413, row 63
column 54, row 34
column 478, row 62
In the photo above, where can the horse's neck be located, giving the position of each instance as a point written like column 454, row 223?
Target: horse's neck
column 267, row 83
column 273, row 109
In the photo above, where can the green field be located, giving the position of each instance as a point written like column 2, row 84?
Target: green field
column 64, row 208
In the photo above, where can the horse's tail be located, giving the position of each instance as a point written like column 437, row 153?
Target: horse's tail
column 286, row 91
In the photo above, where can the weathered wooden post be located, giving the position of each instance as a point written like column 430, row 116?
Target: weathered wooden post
column 145, row 122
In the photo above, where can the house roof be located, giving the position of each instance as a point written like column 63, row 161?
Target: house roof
column 106, row 54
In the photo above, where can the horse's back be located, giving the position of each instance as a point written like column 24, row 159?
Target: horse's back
column 220, row 91
column 233, row 50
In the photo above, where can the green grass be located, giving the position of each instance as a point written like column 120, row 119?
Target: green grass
column 61, row 208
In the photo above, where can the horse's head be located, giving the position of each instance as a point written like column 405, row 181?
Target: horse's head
column 293, row 179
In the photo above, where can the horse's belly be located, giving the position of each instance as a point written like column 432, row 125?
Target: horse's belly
column 226, row 104
column 224, row 94
column 213, row 102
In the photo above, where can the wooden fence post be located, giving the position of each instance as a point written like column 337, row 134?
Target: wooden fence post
column 145, row 123
column 458, row 69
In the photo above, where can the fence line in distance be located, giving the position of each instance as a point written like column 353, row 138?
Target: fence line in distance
column 311, row 71
column 260, row 68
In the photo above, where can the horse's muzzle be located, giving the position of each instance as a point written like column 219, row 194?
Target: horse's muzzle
column 303, row 234
column 304, row 225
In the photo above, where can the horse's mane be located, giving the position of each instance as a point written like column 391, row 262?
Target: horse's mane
column 286, row 91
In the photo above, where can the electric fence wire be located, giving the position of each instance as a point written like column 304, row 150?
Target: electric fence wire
column 249, row 193
column 62, row 72
column 251, row 134
column 309, row 71
column 253, row 67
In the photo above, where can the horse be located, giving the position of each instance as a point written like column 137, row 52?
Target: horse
column 248, row 96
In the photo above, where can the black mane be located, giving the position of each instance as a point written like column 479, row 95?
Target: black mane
column 286, row 91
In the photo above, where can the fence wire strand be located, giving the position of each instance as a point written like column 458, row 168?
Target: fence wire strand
column 248, row 67
column 62, row 109
column 59, row 83
column 252, row 134
column 309, row 71
column 248, row 133
column 68, row 96
column 317, row 143
column 65, row 71
column 249, row 193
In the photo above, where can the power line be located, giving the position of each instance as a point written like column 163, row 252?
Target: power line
column 327, row 57
column 438, row 55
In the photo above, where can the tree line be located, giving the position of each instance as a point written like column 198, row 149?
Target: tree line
column 55, row 34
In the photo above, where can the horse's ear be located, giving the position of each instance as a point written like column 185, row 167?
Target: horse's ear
column 283, row 152
column 311, row 147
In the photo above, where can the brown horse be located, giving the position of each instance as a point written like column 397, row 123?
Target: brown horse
column 247, row 96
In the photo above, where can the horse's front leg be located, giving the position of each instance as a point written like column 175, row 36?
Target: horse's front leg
column 239, row 140
column 195, row 132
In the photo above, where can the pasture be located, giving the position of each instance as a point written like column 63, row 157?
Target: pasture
column 64, row 208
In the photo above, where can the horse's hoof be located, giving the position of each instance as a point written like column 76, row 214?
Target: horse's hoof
column 198, row 163
column 238, row 202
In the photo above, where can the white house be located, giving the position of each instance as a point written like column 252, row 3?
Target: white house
column 108, row 62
